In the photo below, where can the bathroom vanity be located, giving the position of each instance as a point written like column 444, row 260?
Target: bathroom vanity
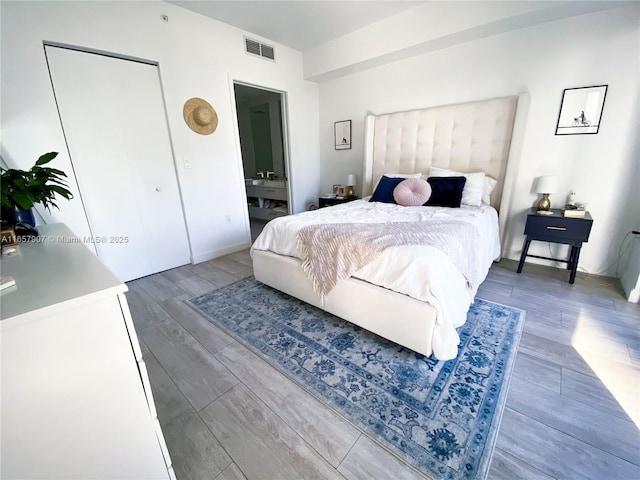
column 267, row 199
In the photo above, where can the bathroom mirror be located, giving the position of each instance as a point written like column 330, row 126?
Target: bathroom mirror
column 260, row 128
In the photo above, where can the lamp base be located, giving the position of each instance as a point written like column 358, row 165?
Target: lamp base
column 544, row 204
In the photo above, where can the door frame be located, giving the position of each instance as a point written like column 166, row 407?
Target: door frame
column 285, row 142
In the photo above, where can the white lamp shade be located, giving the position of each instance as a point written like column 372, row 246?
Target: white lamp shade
column 547, row 184
column 351, row 180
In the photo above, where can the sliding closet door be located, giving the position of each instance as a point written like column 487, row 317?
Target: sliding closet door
column 113, row 116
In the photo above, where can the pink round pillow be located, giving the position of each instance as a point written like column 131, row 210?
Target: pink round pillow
column 412, row 192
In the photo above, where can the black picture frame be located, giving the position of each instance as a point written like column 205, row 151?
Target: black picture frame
column 581, row 110
column 342, row 134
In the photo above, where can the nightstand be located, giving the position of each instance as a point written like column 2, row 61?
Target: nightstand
column 556, row 228
column 329, row 202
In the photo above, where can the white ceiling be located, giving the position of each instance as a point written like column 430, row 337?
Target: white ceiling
column 300, row 25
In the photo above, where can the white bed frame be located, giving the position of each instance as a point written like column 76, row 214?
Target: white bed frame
column 476, row 136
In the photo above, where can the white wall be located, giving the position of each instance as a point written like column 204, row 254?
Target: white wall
column 593, row 49
column 198, row 57
column 432, row 26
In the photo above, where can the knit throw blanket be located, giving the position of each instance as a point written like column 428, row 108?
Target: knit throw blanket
column 333, row 252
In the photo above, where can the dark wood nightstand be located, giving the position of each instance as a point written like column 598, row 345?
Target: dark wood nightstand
column 328, row 202
column 557, row 229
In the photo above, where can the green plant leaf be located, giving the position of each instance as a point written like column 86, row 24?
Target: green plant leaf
column 23, row 200
column 62, row 192
column 54, row 171
column 46, row 158
column 37, row 185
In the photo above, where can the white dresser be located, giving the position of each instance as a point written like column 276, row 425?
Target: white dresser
column 76, row 399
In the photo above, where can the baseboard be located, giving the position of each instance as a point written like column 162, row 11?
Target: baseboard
column 634, row 296
column 631, row 290
column 220, row 253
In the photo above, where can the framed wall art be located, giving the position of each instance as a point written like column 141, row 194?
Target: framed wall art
column 581, row 110
column 342, row 133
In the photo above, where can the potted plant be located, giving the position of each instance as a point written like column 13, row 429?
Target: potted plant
column 22, row 189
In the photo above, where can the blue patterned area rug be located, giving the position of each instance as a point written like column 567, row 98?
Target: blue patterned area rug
column 441, row 417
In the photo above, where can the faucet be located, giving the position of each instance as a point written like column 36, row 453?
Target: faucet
column 260, row 174
column 270, row 175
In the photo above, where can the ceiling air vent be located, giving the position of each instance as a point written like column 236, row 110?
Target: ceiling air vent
column 256, row 48
column 267, row 52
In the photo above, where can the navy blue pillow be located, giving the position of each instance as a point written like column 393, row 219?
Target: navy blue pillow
column 384, row 190
column 446, row 191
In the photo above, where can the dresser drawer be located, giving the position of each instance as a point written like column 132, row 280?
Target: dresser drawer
column 560, row 228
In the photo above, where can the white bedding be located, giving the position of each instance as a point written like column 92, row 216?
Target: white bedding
column 421, row 272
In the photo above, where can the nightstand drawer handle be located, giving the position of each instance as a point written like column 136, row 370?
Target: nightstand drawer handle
column 557, row 228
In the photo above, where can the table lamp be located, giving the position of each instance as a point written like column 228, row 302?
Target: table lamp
column 351, row 182
column 545, row 185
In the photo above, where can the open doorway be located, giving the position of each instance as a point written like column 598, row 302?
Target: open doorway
column 264, row 156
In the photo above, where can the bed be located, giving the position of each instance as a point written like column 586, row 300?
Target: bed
column 413, row 295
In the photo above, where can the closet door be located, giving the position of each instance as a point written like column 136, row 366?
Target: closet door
column 113, row 116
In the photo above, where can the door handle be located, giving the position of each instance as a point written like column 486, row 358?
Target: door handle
column 158, row 189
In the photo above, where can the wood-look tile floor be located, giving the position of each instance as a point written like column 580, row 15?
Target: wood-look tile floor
column 572, row 412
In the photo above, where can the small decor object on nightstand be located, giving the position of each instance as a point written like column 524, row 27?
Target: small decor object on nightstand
column 571, row 200
column 351, row 182
column 546, row 185
column 573, row 212
column 344, row 191
column 572, row 208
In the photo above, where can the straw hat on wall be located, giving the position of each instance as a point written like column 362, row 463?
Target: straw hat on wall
column 200, row 116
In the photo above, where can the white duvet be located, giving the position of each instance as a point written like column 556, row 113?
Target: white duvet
column 421, row 272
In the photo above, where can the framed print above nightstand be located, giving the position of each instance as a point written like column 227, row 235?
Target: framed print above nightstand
column 342, row 134
column 581, row 110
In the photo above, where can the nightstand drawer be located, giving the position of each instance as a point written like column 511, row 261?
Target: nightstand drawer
column 558, row 227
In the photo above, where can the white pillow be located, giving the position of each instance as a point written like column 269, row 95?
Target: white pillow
column 396, row 175
column 489, row 185
column 473, row 191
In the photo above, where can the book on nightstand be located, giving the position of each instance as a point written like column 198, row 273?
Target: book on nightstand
column 574, row 212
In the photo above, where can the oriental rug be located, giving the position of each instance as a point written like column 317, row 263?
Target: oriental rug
column 442, row 417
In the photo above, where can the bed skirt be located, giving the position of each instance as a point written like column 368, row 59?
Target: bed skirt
column 394, row 316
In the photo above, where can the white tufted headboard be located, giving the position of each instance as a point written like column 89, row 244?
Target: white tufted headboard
column 467, row 137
